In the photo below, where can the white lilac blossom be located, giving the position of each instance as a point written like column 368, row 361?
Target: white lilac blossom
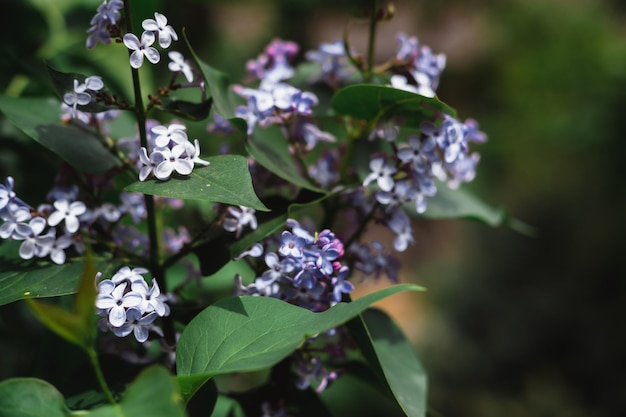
column 141, row 48
column 34, row 242
column 240, row 218
column 108, row 14
column 68, row 212
column 15, row 218
column 179, row 64
column 172, row 152
column 80, row 94
column 159, row 25
column 312, row 135
column 128, row 305
column 382, row 172
column 333, row 61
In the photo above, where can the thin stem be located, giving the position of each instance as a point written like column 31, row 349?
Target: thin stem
column 155, row 265
column 357, row 233
column 95, row 363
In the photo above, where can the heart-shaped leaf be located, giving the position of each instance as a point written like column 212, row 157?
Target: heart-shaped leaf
column 31, row 397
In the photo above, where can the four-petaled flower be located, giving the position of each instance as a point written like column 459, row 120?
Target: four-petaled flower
column 381, row 172
column 159, row 24
column 69, row 212
column 116, row 303
column 179, row 64
column 141, row 49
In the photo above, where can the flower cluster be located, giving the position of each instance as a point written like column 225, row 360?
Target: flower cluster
column 274, row 101
column 102, row 22
column 304, row 270
column 422, row 67
column 80, row 95
column 238, row 218
column 334, row 63
column 54, row 228
column 128, row 305
column 171, row 151
column 142, row 47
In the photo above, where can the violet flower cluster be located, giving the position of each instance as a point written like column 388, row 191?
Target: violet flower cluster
column 304, row 270
column 63, row 224
column 128, row 305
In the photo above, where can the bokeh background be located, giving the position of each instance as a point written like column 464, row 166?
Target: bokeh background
column 511, row 325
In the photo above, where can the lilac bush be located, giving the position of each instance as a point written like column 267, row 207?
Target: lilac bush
column 285, row 223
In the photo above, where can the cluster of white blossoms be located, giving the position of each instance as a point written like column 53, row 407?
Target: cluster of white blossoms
column 142, row 47
column 80, row 95
column 172, row 151
column 128, row 305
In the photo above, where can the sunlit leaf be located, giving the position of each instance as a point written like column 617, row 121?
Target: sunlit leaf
column 226, row 180
column 39, row 118
column 250, row 333
column 461, row 204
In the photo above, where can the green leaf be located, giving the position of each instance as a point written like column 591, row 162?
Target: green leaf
column 226, row 180
column 39, row 119
column 269, row 148
column 189, row 110
column 461, row 204
column 154, row 393
column 250, row 333
column 373, row 102
column 31, row 397
column 392, row 357
column 218, row 84
column 21, row 279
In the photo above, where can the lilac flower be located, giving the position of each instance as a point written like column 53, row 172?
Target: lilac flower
column 173, row 160
column 136, row 323
column 69, row 212
column 278, row 270
column 57, row 249
column 409, row 47
column 141, row 48
column 34, row 243
column 291, row 245
column 149, row 163
column 127, row 274
column 255, row 251
column 15, row 218
column 134, row 205
column 400, row 224
column 7, row 195
column 116, row 302
column 153, row 300
column 159, row 25
column 179, row 64
column 333, row 60
column 173, row 132
column 381, row 172
column 341, row 285
column 312, row 135
column 402, row 193
column 108, row 13
column 193, row 152
column 419, row 153
column 239, row 218
column 78, row 96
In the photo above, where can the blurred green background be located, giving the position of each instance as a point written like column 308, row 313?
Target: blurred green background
column 511, row 325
